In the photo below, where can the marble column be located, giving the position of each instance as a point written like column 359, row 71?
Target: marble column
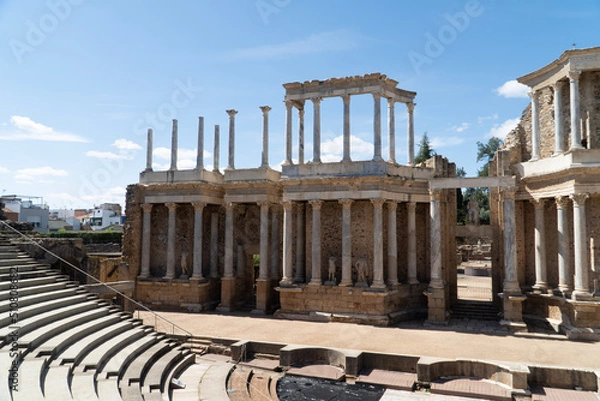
column 149, row 151
column 228, row 268
column 346, row 99
column 411, row 208
column 436, row 244
column 301, row 133
column 410, row 107
column 146, row 239
column 263, row 272
column 559, row 136
column 541, row 283
column 511, row 282
column 275, row 243
column 575, row 109
column 171, row 240
column 198, row 235
column 316, row 129
column 392, row 248
column 392, row 130
column 265, row 152
column 377, row 127
column 316, row 242
column 346, row 242
column 288, row 133
column 214, row 245
column 174, row 146
column 565, row 275
column 217, row 149
column 535, row 126
column 580, row 244
column 378, row 282
column 288, row 239
column 300, row 242
column 231, row 113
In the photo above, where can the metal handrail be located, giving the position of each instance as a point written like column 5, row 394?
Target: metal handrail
column 156, row 315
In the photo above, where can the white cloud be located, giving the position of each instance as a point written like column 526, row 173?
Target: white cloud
column 338, row 40
column 461, row 128
column 332, row 149
column 126, row 144
column 512, row 89
column 487, row 118
column 186, row 158
column 27, row 129
column 445, row 141
column 104, row 155
column 38, row 174
column 125, row 150
column 4, row 170
column 501, row 130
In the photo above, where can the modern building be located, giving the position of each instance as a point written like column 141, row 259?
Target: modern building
column 28, row 209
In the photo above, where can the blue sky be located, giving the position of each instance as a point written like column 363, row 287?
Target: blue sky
column 81, row 80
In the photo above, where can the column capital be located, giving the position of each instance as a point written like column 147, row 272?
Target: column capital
column 392, row 205
column 574, row 75
column 391, row 101
column 171, row 206
column 316, row 100
column 579, row 198
column 376, row 96
column 229, row 205
column 562, row 202
column 558, row 85
column 377, row 203
column 287, row 205
column 345, row 98
column 508, row 192
column 316, row 204
column 264, row 204
column 538, row 203
column 436, row 194
column 301, row 112
column 198, row 206
column 147, row 207
column 411, row 206
column 533, row 94
column 346, row 203
column 410, row 106
column 231, row 112
column 265, row 109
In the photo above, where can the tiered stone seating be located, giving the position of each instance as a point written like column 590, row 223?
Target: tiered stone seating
column 74, row 346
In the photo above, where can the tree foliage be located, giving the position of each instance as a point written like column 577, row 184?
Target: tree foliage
column 425, row 150
column 485, row 152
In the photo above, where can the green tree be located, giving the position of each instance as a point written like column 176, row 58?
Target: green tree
column 486, row 153
column 461, row 212
column 425, row 150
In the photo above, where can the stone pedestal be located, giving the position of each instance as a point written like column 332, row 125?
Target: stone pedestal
column 436, row 305
column 227, row 294
column 513, row 311
column 263, row 297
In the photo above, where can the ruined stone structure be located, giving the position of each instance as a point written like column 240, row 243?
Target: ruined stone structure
column 554, row 154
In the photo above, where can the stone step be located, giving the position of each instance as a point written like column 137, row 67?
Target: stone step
column 56, row 384
column 108, row 389
column 21, row 275
column 19, row 292
column 32, row 282
column 17, row 261
column 83, row 387
column 157, row 374
column 28, row 300
column 138, row 368
column 191, row 377
column 13, row 254
column 6, row 360
column 131, row 393
column 23, row 267
column 115, row 366
column 188, row 359
column 30, row 373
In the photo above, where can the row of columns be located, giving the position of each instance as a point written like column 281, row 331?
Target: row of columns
column 559, row 146
column 377, row 153
column 580, row 257
column 378, row 282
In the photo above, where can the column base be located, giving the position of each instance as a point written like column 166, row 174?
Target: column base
column 392, row 283
column 315, row 283
column 198, row 278
column 298, row 280
column 413, row 281
column 437, row 311
column 540, row 288
column 286, row 282
column 378, row 286
column 558, row 153
column 579, row 295
column 346, row 284
column 513, row 310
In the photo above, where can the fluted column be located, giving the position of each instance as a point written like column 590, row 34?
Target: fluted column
column 378, row 282
column 559, row 136
column 265, row 152
column 263, row 272
column 228, row 268
column 346, row 242
column 410, row 108
column 231, row 113
column 149, row 151
column 275, row 242
column 316, row 242
column 171, row 240
column 346, row 99
column 377, row 127
column 198, row 238
column 316, row 129
column 392, row 130
column 541, row 283
column 217, row 149
column 392, row 248
column 301, row 133
column 436, row 238
column 200, row 150
column 214, row 245
column 288, row 239
column 575, row 109
column 300, row 242
column 288, row 133
column 565, row 275
column 580, row 244
column 174, row 146
column 535, row 126
column 412, row 243
column 511, row 282
column 146, row 239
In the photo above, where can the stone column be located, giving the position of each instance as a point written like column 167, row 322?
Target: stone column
column 301, row 134
column 559, row 136
column 214, row 245
column 300, row 242
column 575, row 109
column 149, row 151
column 346, row 99
column 535, row 126
column 316, row 242
column 412, row 243
column 171, row 240
column 174, row 146
column 436, row 245
column 265, row 152
column 392, row 248
column 346, row 242
column 264, row 241
column 377, row 127
column 392, row 130
column 146, row 237
column 378, row 282
column 565, row 275
column 231, row 113
column 228, row 268
column 511, row 282
column 541, row 283
column 275, row 241
column 288, row 239
column 580, row 245
column 288, row 133
column 317, row 130
column 217, row 150
column 198, row 235
column 200, row 150
column 410, row 107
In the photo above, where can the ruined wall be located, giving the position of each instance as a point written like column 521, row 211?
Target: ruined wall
column 132, row 231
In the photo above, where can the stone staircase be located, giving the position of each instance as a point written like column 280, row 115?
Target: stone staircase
column 476, row 310
column 59, row 342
